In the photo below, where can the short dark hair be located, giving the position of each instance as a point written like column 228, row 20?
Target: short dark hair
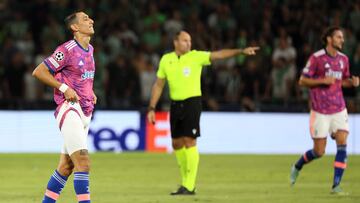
column 176, row 35
column 69, row 20
column 329, row 32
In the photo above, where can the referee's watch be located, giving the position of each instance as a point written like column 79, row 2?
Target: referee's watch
column 151, row 108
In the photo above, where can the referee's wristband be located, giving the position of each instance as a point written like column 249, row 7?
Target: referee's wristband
column 150, row 108
column 63, row 87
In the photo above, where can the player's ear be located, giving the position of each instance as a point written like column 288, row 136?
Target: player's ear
column 74, row 27
column 328, row 39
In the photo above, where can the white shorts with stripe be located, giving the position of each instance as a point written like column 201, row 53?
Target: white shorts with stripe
column 321, row 125
column 74, row 127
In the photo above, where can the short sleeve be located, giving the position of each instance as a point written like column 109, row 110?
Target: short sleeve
column 203, row 57
column 161, row 71
column 310, row 67
column 57, row 60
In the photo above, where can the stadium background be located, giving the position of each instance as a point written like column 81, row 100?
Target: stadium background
column 130, row 38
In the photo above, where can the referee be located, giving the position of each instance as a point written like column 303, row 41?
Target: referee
column 182, row 69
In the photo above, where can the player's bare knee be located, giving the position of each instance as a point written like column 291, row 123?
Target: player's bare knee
column 82, row 164
column 81, row 160
column 83, row 167
column 319, row 152
column 341, row 137
column 65, row 166
column 66, row 169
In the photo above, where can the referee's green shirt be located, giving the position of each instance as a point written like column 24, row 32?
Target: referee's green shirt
column 183, row 73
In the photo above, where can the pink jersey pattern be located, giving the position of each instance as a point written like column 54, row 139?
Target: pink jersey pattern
column 75, row 66
column 327, row 99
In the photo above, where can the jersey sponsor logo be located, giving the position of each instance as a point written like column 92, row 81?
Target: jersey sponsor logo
column 59, row 56
column 186, row 71
column 88, row 75
column 335, row 74
column 327, row 65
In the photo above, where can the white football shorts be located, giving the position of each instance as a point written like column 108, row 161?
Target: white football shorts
column 322, row 125
column 74, row 127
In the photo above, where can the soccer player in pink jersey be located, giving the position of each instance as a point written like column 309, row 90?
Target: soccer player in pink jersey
column 325, row 73
column 70, row 71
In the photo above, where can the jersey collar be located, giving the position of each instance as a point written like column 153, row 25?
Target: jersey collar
column 86, row 50
column 327, row 53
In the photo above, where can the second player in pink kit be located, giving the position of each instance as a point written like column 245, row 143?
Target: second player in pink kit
column 325, row 74
column 327, row 99
column 70, row 71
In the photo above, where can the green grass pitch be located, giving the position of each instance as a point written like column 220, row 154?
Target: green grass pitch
column 149, row 178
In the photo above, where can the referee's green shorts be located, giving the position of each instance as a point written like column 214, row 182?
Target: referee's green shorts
column 185, row 117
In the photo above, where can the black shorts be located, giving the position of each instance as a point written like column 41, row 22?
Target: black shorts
column 185, row 118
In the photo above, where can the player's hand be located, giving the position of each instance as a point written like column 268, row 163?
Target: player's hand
column 95, row 99
column 250, row 50
column 151, row 116
column 355, row 81
column 328, row 80
column 71, row 96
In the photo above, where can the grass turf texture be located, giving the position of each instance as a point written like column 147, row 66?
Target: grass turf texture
column 149, row 178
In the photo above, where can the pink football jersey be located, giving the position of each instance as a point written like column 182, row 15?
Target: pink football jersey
column 327, row 99
column 75, row 66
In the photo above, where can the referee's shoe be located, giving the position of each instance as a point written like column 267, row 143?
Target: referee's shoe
column 183, row 191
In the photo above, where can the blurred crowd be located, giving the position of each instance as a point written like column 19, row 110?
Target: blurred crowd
column 132, row 35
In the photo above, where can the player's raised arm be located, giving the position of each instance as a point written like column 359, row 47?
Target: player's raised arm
column 227, row 53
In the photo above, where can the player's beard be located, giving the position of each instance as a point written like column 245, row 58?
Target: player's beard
column 337, row 47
